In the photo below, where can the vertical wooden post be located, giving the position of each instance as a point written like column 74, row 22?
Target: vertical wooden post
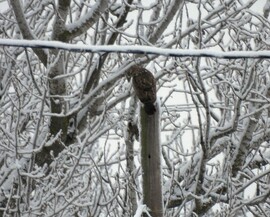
column 151, row 162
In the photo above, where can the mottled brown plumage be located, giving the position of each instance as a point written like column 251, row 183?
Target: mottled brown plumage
column 144, row 85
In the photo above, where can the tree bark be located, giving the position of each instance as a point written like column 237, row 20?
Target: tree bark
column 151, row 162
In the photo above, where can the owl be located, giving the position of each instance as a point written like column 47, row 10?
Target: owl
column 144, row 85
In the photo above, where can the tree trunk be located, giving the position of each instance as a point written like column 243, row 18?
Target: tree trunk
column 151, row 162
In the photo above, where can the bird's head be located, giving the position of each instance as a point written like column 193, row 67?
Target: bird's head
column 133, row 71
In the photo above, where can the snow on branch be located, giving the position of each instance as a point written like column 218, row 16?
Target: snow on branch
column 135, row 49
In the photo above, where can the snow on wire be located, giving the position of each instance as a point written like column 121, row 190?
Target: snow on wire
column 135, row 49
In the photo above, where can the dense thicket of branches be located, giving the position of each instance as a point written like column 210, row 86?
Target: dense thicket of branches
column 68, row 120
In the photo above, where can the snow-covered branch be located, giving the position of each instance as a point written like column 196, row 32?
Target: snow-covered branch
column 25, row 29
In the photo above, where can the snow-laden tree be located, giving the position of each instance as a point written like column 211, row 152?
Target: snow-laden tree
column 69, row 120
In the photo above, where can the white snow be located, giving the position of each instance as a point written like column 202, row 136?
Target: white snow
column 142, row 208
column 134, row 49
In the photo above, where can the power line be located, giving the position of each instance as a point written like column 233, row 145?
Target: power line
column 135, row 49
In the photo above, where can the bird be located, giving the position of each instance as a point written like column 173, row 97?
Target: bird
column 144, row 85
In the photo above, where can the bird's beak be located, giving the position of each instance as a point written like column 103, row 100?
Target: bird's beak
column 128, row 77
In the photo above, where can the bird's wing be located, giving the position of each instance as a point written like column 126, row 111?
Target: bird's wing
column 146, row 81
